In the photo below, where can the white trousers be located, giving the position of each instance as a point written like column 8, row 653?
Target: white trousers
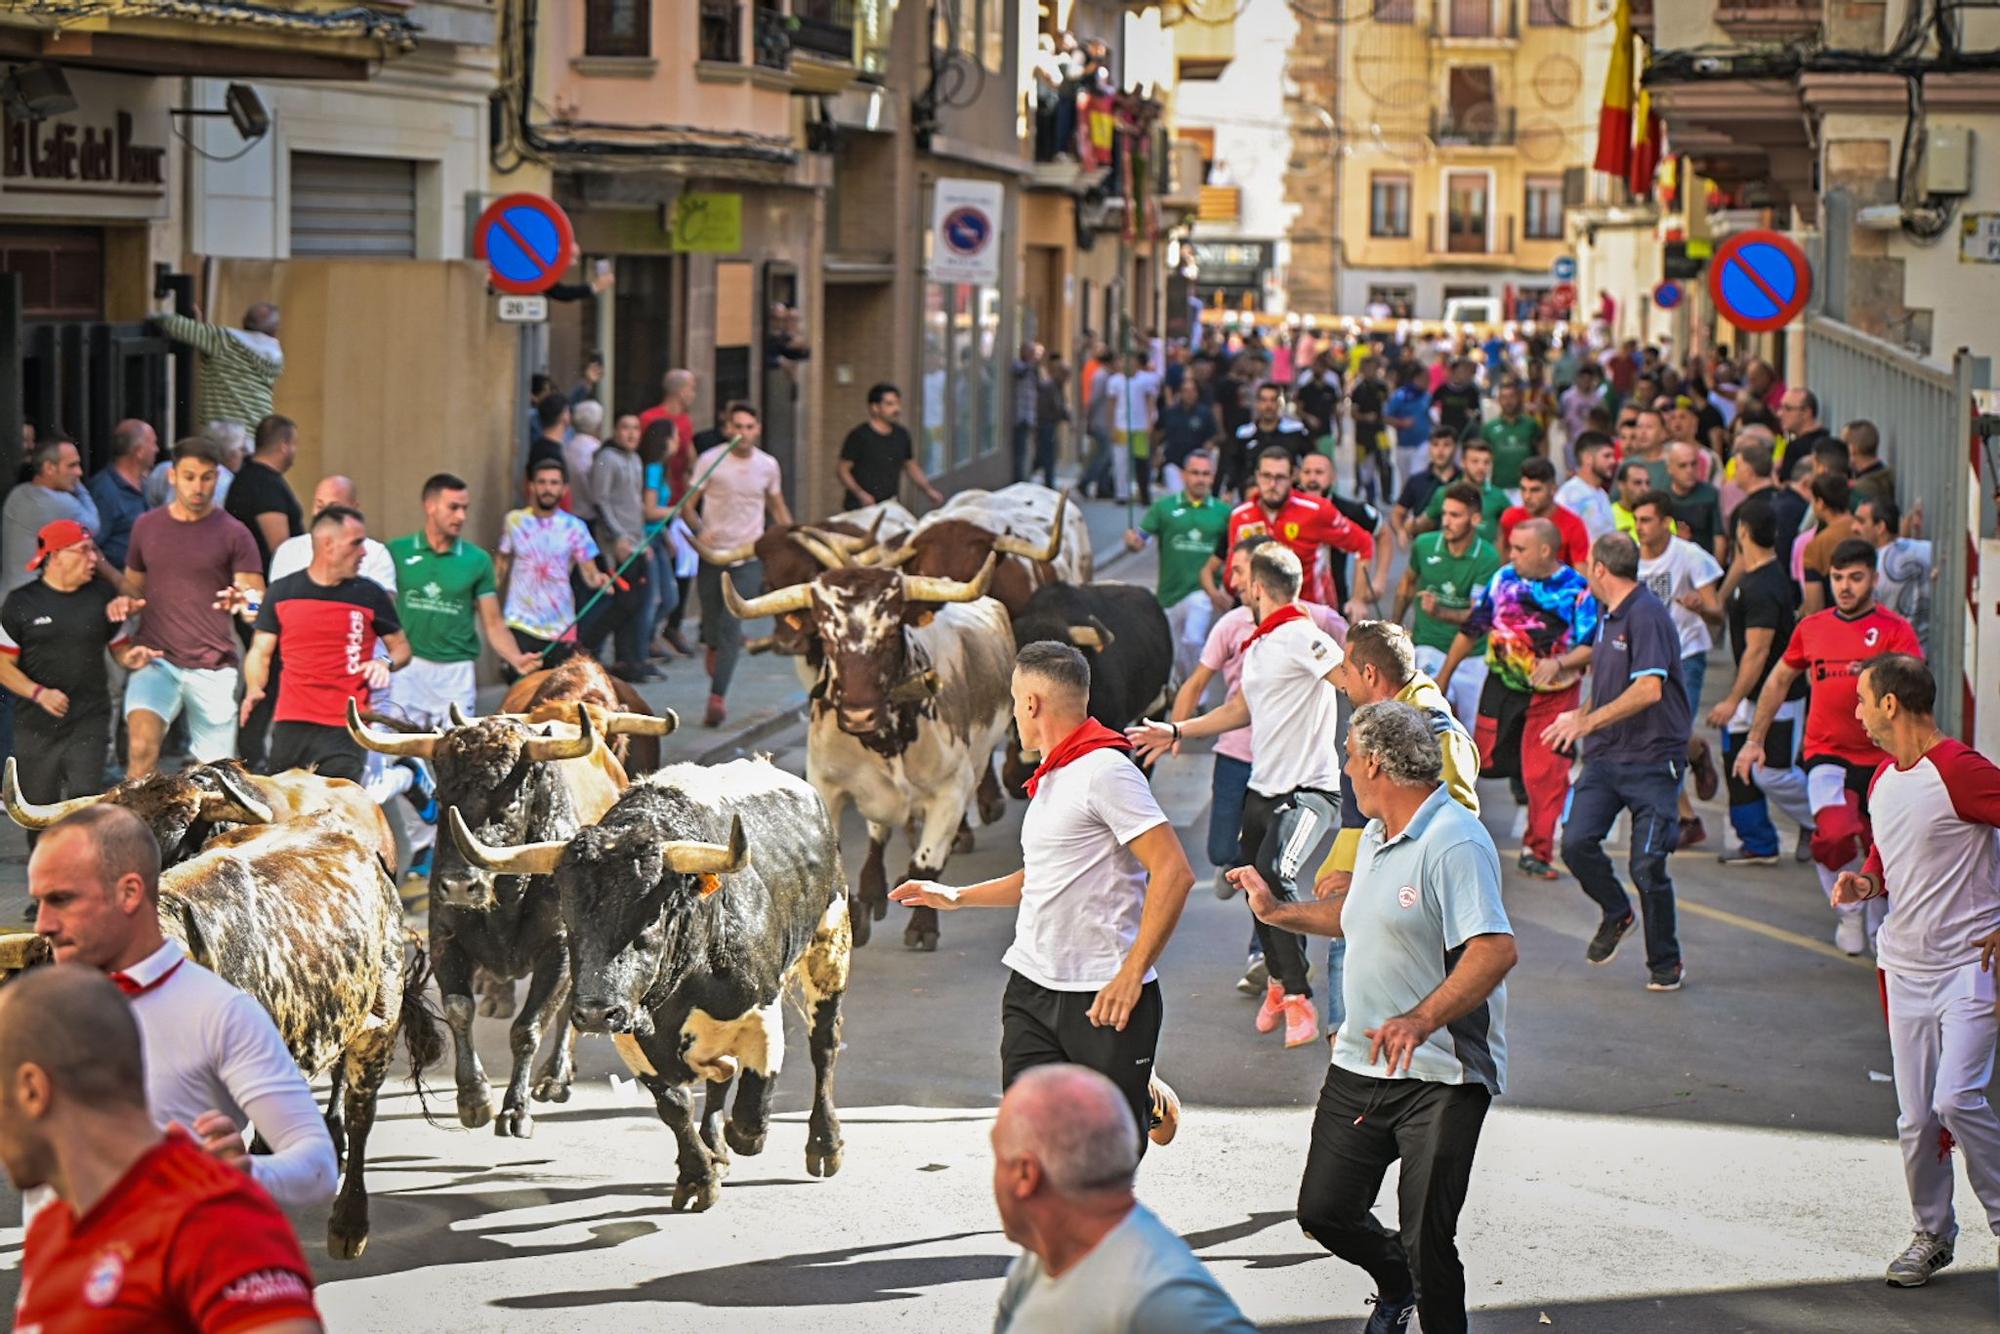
column 1189, row 620
column 1941, row 1033
column 422, row 690
column 1467, row 684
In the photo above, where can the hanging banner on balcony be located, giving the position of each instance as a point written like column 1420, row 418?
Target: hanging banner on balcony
column 965, row 232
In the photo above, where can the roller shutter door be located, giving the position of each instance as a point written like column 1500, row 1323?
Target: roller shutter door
column 362, row 207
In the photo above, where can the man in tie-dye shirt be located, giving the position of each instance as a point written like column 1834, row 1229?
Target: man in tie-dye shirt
column 538, row 547
column 1538, row 618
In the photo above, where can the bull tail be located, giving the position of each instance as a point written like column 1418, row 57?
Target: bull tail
column 420, row 1024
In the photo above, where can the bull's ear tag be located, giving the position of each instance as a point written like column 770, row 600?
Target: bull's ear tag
column 708, row 883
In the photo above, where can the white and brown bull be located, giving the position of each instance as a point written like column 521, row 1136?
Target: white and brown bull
column 185, row 809
column 513, row 780
column 795, row 553
column 911, row 699
column 304, row 917
column 683, row 945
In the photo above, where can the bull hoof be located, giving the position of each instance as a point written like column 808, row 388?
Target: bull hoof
column 696, row 1196
column 342, row 1246
column 961, row 842
column 822, row 1161
column 859, row 923
column 879, row 909
column 551, row 1089
column 475, row 1108
column 741, row 1142
column 915, row 938
column 991, row 809
column 514, row 1123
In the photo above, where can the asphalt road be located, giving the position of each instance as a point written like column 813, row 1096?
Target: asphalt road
column 1721, row 1159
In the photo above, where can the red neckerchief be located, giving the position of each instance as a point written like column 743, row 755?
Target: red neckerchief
column 135, row 989
column 1092, row 735
column 1291, row 611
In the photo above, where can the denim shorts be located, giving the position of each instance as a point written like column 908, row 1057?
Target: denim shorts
column 209, row 695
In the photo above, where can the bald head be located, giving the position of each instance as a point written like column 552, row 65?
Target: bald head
column 335, row 490
column 70, row 1022
column 1075, row 1124
column 262, row 318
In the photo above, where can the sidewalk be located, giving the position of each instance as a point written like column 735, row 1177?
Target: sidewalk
column 767, row 696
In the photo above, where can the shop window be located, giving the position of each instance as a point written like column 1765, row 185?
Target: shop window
column 617, row 27
column 61, row 272
column 1398, row 299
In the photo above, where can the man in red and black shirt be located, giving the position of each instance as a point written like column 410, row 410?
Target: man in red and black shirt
column 1303, row 523
column 324, row 620
column 1829, row 648
column 146, row 1231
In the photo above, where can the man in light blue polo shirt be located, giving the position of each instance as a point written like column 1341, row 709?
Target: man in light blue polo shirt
column 1421, row 1054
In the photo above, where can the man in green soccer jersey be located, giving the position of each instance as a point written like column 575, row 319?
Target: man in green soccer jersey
column 1190, row 525
column 1446, row 568
column 1493, row 501
column 1515, row 436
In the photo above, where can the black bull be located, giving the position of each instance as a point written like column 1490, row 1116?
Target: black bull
column 683, row 945
column 1122, row 633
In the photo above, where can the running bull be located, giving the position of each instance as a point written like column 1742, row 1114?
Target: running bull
column 1122, row 633
column 683, row 944
column 913, row 694
column 513, row 782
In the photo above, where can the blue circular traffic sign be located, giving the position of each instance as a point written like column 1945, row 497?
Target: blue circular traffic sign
column 1760, row 280
column 967, row 230
column 1564, row 269
column 526, row 241
column 1667, row 295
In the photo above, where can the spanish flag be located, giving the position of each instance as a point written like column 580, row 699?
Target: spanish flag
column 1646, row 146
column 1614, row 118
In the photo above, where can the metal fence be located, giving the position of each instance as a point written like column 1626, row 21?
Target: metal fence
column 1925, row 414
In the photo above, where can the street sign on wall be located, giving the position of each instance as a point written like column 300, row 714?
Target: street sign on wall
column 1667, row 294
column 522, row 309
column 965, row 232
column 1760, row 280
column 526, row 242
column 1564, row 269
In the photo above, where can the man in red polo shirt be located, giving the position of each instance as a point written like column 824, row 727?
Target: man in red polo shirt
column 1303, row 523
column 1538, row 501
column 1830, row 648
column 146, row 1231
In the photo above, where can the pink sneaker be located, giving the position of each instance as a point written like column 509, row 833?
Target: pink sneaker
column 1273, row 1006
column 1301, row 1021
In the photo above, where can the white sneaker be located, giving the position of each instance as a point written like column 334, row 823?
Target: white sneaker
column 1924, row 1256
column 1851, row 935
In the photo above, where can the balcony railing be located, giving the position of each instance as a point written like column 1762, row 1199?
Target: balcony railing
column 720, row 36
column 772, row 34
column 824, row 28
column 1474, row 127
column 1220, row 203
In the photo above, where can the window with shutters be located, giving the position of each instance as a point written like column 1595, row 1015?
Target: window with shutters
column 617, row 27
column 359, row 207
column 1388, row 203
column 1542, row 209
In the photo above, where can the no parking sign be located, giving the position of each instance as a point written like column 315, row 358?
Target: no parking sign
column 1760, row 280
column 965, row 232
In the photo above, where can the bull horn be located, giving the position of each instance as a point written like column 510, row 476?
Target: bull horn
column 849, row 543
column 641, row 724
column 517, row 859
column 816, row 545
column 252, row 805
column 930, row 588
column 1094, row 636
column 886, row 557
column 721, row 555
column 688, row 858
column 418, row 744
column 545, row 748
column 31, row 815
column 774, row 603
column 1014, row 546
column 456, row 714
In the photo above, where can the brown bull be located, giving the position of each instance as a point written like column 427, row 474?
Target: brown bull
column 951, row 548
column 185, row 809
column 582, row 678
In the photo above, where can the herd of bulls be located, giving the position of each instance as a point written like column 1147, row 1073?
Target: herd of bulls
column 635, row 906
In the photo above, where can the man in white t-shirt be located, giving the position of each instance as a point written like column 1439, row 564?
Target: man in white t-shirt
column 732, row 505
column 1935, row 853
column 1585, row 493
column 1134, row 397
column 1102, row 882
column 214, row 1061
column 1292, row 705
column 1689, row 581
column 1092, row 1257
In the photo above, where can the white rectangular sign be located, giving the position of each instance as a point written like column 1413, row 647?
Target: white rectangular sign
column 1980, row 243
column 965, row 231
column 524, row 309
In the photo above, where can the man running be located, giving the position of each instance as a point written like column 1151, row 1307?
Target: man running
column 1303, row 523
column 1538, row 618
column 1935, row 805
column 1447, row 567
column 1188, row 525
column 1537, row 486
column 1829, row 649
column 1493, row 502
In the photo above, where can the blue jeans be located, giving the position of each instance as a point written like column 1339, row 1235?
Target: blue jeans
column 1336, row 969
column 1227, row 783
column 1652, row 791
column 1749, row 812
column 1694, row 671
column 1045, row 453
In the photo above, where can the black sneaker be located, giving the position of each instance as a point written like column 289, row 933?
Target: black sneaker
column 1391, row 1315
column 1604, row 944
column 1666, row 979
column 1535, row 868
column 1745, row 857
